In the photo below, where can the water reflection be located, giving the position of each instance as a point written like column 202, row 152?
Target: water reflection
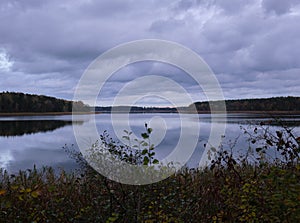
column 27, row 127
column 25, row 141
column 253, row 119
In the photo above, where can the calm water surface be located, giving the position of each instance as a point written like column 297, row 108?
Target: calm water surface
column 39, row 140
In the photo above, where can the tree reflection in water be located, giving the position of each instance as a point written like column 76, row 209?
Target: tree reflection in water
column 22, row 127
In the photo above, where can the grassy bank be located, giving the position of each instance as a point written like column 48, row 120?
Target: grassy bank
column 269, row 193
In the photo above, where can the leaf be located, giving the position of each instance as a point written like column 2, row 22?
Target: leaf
column 145, row 135
column 146, row 160
column 259, row 149
column 145, row 151
column 2, row 192
column 144, row 144
column 113, row 218
column 15, row 187
column 213, row 149
column 35, row 194
column 155, row 161
column 149, row 130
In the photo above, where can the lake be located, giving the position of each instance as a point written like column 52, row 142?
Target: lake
column 39, row 140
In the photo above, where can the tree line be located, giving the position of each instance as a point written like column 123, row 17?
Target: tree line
column 135, row 109
column 19, row 102
column 261, row 104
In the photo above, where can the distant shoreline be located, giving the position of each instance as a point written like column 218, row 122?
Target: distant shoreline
column 201, row 112
column 45, row 113
column 258, row 112
column 215, row 112
column 20, row 104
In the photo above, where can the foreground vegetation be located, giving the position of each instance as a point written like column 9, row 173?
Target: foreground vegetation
column 231, row 189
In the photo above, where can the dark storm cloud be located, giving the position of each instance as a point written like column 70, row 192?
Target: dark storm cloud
column 251, row 45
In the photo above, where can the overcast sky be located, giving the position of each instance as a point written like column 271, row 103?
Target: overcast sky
column 252, row 46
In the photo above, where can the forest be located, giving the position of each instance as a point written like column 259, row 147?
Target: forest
column 282, row 104
column 12, row 102
column 288, row 104
column 15, row 102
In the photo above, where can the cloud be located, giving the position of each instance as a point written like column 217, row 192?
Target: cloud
column 51, row 43
column 279, row 7
column 5, row 62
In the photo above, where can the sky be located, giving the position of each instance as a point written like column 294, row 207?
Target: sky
column 252, row 46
